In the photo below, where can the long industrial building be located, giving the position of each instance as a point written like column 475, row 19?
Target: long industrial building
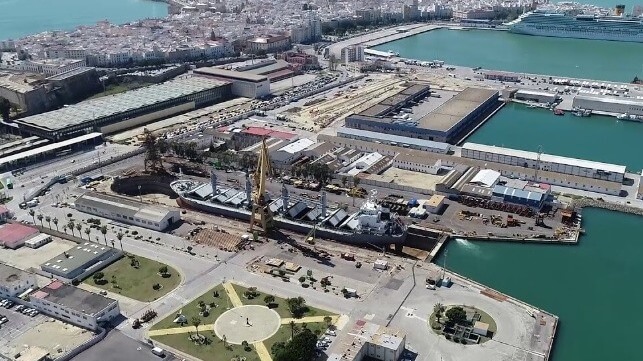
column 125, row 110
column 405, row 142
column 545, row 162
column 426, row 162
column 629, row 106
column 244, row 84
column 446, row 123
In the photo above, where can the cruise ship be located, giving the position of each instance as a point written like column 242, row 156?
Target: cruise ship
column 371, row 224
column 574, row 23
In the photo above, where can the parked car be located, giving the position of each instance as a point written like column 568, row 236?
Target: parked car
column 9, row 304
column 3, row 320
column 331, row 333
column 19, row 308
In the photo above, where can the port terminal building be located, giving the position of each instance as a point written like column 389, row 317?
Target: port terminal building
column 404, row 114
column 396, row 140
column 631, row 106
column 544, row 162
column 112, row 113
column 244, row 84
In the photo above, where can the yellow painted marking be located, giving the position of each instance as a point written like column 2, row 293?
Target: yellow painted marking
column 232, row 294
column 262, row 351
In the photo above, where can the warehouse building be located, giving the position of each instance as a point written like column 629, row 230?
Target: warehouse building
column 81, row 260
column 74, row 305
column 125, row 210
column 527, row 198
column 629, row 106
column 395, row 140
column 14, row 282
column 244, row 84
column 538, row 96
column 447, row 123
column 112, row 113
column 545, row 162
column 14, row 235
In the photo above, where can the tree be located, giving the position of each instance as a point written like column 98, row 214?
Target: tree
column 55, row 220
column 65, row 228
column 297, row 306
column 32, row 214
column 344, row 181
column 98, row 277
column 328, row 320
column 189, row 248
column 269, row 299
column 119, row 236
column 87, row 232
column 196, row 322
column 103, row 230
column 300, row 347
column 79, row 227
column 163, row 270
column 71, row 226
column 48, row 220
column 5, row 108
column 40, row 217
column 438, row 308
column 293, row 328
column 152, row 154
column 456, row 314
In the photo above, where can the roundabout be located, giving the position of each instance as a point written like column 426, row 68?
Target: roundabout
column 251, row 323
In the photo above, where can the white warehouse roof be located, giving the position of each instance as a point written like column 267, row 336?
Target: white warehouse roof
column 604, row 99
column 385, row 137
column 297, row 146
column 486, row 177
column 613, row 168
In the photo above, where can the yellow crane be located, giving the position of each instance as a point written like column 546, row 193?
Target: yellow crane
column 261, row 215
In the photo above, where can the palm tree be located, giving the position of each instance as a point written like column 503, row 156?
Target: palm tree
column 87, row 231
column 32, row 214
column 48, row 220
column 79, row 227
column 65, row 228
column 40, row 217
column 103, row 230
column 55, row 220
column 438, row 308
column 71, row 226
column 196, row 322
column 120, row 239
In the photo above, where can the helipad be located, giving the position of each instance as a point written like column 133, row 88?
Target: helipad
column 250, row 323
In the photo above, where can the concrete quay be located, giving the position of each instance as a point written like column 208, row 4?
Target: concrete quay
column 398, row 36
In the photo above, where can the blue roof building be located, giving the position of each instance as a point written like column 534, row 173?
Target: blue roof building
column 518, row 196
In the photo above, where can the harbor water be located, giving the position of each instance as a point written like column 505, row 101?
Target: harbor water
column 587, row 285
column 599, row 138
column 501, row 50
column 25, row 17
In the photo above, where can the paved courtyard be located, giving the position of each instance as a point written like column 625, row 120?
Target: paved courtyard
column 250, row 323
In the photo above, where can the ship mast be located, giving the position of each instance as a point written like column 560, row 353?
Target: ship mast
column 261, row 215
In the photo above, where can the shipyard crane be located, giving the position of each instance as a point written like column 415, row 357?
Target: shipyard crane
column 261, row 215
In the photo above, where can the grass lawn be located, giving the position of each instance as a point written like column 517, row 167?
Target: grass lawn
column 137, row 283
column 212, row 352
column 282, row 306
column 484, row 317
column 192, row 310
column 284, row 333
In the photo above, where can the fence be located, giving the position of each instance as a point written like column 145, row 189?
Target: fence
column 89, row 343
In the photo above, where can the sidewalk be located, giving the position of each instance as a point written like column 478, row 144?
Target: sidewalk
column 232, row 294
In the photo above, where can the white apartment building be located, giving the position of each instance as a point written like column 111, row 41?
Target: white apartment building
column 13, row 281
column 74, row 305
column 268, row 44
column 51, row 67
column 352, row 53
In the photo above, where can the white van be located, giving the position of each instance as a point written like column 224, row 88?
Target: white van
column 158, row 352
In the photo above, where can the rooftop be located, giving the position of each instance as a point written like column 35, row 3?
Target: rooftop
column 297, row 146
column 73, row 298
column 10, row 275
column 451, row 113
column 239, row 75
column 391, row 138
column 78, row 256
column 48, row 148
column 123, row 206
column 106, row 106
column 605, row 99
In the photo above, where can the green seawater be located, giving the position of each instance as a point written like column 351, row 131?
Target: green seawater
column 594, row 287
column 25, row 17
column 598, row 138
column 501, row 50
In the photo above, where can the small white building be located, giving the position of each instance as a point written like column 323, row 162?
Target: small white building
column 14, row 281
column 481, row 328
column 370, row 340
column 380, row 264
column 631, row 106
column 538, row 96
column 434, row 204
column 38, row 240
column 128, row 211
column 71, row 304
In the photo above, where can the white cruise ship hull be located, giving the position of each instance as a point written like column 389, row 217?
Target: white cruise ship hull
column 565, row 33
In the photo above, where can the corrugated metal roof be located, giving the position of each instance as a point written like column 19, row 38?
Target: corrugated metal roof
column 391, row 138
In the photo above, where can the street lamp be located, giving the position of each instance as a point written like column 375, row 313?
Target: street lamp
column 140, row 197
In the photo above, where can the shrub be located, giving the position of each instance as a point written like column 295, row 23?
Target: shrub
column 302, row 279
column 447, row 336
column 156, row 287
column 463, row 341
column 134, row 233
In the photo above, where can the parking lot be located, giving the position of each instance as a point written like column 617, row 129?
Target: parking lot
column 118, row 347
column 17, row 325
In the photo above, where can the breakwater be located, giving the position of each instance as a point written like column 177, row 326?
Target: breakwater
column 594, row 203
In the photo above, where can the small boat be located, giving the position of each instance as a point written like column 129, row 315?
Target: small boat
column 533, row 106
column 621, row 116
column 582, row 112
column 559, row 112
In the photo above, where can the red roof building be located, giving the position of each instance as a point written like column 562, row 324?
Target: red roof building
column 14, row 235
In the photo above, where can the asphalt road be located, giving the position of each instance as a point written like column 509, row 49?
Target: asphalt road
column 118, row 347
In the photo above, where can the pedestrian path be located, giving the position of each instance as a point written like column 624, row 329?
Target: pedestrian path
column 171, row 331
column 262, row 351
column 310, row 319
column 232, row 294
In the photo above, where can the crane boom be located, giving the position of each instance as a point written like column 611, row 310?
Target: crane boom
column 261, row 215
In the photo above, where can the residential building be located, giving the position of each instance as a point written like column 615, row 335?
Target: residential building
column 268, row 44
column 14, row 282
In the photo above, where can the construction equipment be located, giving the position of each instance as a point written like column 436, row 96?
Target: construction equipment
column 261, row 214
